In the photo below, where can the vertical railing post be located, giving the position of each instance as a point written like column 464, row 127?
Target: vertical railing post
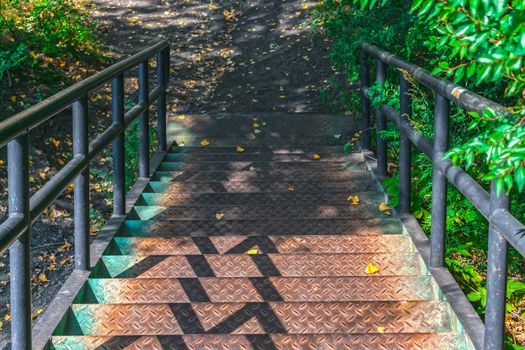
column 20, row 251
column 364, row 79
column 119, row 170
column 381, row 125
column 405, row 148
column 167, row 63
column 143, row 97
column 496, row 278
column 162, row 75
column 81, row 189
column 439, row 182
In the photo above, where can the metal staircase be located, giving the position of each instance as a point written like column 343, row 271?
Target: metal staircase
column 258, row 247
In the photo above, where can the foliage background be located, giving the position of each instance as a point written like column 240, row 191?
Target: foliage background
column 44, row 46
column 479, row 44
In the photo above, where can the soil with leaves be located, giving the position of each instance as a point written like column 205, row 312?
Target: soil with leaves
column 226, row 56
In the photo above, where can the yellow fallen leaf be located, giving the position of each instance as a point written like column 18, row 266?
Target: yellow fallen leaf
column 371, row 269
column 252, row 251
column 381, row 329
column 39, row 311
column 316, row 156
column 252, row 168
column 42, row 175
column 55, row 142
column 385, row 208
column 256, row 125
column 13, row 98
column 282, row 97
column 291, row 189
column 219, row 216
column 7, row 317
column 182, row 117
column 64, row 247
column 42, row 277
column 1, row 162
column 354, row 200
column 205, row 143
column 1, row 325
column 240, row 149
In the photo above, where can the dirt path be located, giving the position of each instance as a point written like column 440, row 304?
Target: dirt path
column 254, row 55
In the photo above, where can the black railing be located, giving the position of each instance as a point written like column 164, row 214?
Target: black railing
column 23, row 209
column 503, row 227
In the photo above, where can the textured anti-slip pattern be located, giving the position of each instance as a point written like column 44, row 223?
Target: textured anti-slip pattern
column 374, row 341
column 268, row 166
column 254, row 187
column 231, row 151
column 255, row 199
column 259, row 265
column 253, row 212
column 258, row 289
column 260, row 248
column 260, row 318
column 264, row 157
column 261, row 175
column 213, row 227
column 329, row 244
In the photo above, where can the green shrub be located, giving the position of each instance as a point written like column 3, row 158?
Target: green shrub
column 479, row 44
column 33, row 32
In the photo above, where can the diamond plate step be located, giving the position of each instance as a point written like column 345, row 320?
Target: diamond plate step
column 258, row 318
column 268, row 166
column 263, row 139
column 258, row 265
column 257, row 199
column 263, row 245
column 248, row 290
column 376, row 341
column 307, row 157
column 286, row 227
column 254, row 187
column 258, row 176
column 266, row 149
column 275, row 129
column 253, row 212
column 236, row 212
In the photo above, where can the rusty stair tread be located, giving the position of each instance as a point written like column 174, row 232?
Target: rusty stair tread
column 261, row 186
column 260, row 289
column 262, row 244
column 262, row 175
column 259, row 318
column 253, row 227
column 260, row 166
column 266, row 149
column 257, row 265
column 307, row 157
column 375, row 341
column 231, row 212
column 256, row 198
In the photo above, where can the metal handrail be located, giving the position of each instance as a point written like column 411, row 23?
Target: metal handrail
column 503, row 227
column 23, row 209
